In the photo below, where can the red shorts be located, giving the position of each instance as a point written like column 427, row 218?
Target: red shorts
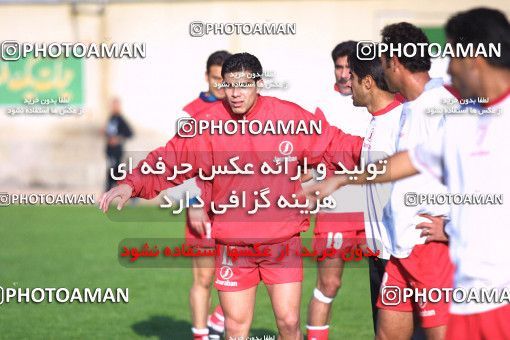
column 493, row 325
column 346, row 240
column 428, row 266
column 339, row 222
column 281, row 266
column 340, row 231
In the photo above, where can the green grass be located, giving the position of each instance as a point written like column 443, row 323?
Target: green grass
column 78, row 247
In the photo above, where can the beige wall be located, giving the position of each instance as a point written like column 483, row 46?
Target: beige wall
column 64, row 151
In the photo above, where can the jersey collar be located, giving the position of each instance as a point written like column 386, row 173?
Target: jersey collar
column 207, row 98
column 388, row 107
column 498, row 99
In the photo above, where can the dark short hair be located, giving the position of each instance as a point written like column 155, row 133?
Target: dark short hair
column 405, row 33
column 482, row 26
column 343, row 49
column 217, row 58
column 242, row 62
column 372, row 68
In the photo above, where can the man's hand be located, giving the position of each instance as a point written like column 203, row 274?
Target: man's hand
column 433, row 230
column 325, row 188
column 305, row 178
column 123, row 191
column 308, row 176
column 199, row 221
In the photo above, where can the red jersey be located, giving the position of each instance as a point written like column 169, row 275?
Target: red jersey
column 203, row 102
column 236, row 226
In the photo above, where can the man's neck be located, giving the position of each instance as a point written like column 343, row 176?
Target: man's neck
column 494, row 83
column 380, row 100
column 414, row 84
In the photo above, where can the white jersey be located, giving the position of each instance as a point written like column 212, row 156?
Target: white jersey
column 470, row 155
column 339, row 111
column 379, row 143
column 401, row 215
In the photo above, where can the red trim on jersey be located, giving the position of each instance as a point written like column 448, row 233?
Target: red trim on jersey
column 452, row 90
column 388, row 107
column 400, row 97
column 498, row 99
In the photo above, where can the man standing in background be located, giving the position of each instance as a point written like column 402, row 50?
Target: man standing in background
column 116, row 132
column 213, row 78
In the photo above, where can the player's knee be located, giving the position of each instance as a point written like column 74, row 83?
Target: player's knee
column 236, row 325
column 381, row 335
column 329, row 286
column 288, row 323
column 204, row 278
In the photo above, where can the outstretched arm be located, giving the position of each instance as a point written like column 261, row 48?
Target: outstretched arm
column 397, row 166
column 177, row 151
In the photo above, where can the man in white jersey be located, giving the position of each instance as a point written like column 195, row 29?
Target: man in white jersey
column 413, row 262
column 461, row 153
column 369, row 90
column 343, row 226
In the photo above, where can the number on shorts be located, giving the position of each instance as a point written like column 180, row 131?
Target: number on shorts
column 334, row 239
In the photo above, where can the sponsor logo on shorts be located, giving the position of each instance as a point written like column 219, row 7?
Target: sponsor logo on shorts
column 226, row 283
column 226, row 273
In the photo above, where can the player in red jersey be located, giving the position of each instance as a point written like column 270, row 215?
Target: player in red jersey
column 272, row 227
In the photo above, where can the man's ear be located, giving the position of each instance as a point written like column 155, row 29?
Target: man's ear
column 206, row 77
column 394, row 63
column 368, row 82
column 260, row 85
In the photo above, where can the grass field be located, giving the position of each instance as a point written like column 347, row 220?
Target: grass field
column 78, row 247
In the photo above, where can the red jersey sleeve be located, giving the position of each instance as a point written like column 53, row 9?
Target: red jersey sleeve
column 343, row 148
column 332, row 144
column 195, row 151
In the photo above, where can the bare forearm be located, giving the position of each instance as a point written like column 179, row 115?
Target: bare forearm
column 396, row 167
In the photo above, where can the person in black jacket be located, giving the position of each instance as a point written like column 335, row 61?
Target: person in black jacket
column 116, row 132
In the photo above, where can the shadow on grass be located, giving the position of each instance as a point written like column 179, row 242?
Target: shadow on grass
column 166, row 327
column 163, row 327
